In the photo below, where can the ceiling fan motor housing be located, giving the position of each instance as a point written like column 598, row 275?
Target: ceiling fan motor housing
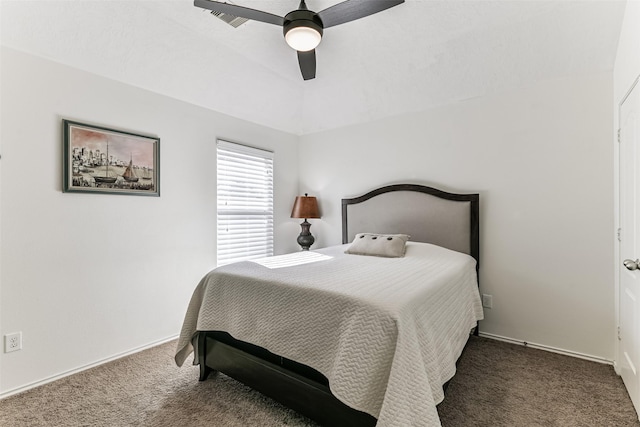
column 302, row 18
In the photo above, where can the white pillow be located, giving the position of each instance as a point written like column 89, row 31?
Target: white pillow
column 383, row 245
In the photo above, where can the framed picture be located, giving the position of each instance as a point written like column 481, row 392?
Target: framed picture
column 101, row 160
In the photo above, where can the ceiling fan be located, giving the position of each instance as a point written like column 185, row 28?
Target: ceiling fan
column 302, row 27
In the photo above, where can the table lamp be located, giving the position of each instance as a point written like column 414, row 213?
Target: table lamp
column 305, row 207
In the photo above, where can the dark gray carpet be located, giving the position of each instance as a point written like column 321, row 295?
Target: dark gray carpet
column 497, row 384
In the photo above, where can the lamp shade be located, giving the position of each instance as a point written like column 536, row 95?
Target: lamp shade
column 305, row 207
column 303, row 39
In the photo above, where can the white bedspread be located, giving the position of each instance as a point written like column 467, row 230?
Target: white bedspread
column 386, row 332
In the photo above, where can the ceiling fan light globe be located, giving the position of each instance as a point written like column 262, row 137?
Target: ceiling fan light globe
column 303, row 39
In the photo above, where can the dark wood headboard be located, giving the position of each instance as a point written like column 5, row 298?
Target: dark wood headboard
column 427, row 214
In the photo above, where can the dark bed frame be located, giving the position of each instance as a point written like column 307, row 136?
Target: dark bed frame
column 301, row 387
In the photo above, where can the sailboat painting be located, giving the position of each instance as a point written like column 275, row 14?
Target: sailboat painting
column 103, row 160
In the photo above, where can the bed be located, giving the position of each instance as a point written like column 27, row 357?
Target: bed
column 350, row 340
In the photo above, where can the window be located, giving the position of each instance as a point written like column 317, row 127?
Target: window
column 245, row 203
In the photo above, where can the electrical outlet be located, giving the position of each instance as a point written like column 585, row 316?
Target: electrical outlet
column 13, row 342
column 487, row 301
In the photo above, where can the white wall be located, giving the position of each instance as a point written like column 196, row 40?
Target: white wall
column 625, row 72
column 86, row 277
column 541, row 159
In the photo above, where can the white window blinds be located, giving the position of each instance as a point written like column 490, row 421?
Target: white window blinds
column 245, row 203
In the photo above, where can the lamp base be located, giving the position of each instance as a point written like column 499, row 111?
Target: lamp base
column 305, row 239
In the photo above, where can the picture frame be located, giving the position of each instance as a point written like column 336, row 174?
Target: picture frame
column 97, row 159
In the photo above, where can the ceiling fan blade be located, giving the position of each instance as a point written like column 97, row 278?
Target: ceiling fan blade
column 307, row 61
column 240, row 12
column 351, row 10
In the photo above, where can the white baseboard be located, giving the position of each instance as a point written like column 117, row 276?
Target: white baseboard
column 547, row 348
column 35, row 384
column 24, row 388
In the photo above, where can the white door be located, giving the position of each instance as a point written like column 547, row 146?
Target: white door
column 629, row 321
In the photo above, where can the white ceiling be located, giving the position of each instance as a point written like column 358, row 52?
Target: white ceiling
column 418, row 55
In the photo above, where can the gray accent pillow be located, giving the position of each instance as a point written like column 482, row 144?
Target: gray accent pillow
column 383, row 245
